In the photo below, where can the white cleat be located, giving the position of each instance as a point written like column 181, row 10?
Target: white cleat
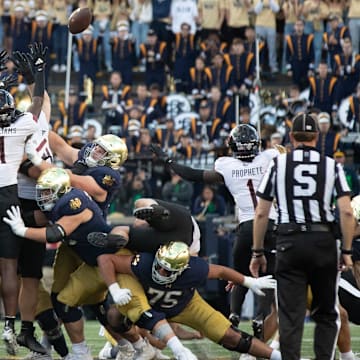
column 247, row 357
column 105, row 352
column 159, row 355
column 146, row 352
column 9, row 338
column 37, row 356
column 126, row 352
column 186, row 354
column 84, row 355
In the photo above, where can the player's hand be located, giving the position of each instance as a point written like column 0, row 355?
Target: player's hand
column 120, row 296
column 15, row 221
column 256, row 284
column 257, row 264
column 160, row 153
column 346, row 262
column 37, row 55
column 23, row 66
column 31, row 152
column 7, row 82
column 3, row 59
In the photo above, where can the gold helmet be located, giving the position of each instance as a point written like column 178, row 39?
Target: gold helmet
column 50, row 186
column 173, row 258
column 355, row 204
column 113, row 152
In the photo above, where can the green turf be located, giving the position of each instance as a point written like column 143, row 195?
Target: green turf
column 204, row 349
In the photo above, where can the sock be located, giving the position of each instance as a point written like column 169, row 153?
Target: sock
column 275, row 355
column 80, row 348
column 59, row 345
column 138, row 344
column 113, row 352
column 27, row 327
column 10, row 322
column 347, row 356
column 175, row 345
column 275, row 344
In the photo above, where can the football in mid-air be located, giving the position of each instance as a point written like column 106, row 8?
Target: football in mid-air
column 79, row 20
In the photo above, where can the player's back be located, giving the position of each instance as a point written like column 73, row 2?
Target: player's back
column 12, row 142
column 242, row 179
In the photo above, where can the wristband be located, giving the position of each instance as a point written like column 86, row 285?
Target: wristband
column 346, row 252
column 258, row 251
column 255, row 256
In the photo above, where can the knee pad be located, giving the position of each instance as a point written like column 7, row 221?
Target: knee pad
column 149, row 318
column 66, row 313
column 244, row 343
column 100, row 311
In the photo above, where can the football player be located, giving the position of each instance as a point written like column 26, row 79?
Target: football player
column 15, row 129
column 241, row 173
column 170, row 279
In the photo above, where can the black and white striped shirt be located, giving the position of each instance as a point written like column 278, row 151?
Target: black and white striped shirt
column 304, row 184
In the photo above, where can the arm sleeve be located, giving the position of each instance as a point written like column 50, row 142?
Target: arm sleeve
column 187, row 172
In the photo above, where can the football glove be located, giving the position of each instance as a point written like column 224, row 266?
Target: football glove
column 256, row 284
column 120, row 296
column 23, row 66
column 15, row 221
column 37, row 55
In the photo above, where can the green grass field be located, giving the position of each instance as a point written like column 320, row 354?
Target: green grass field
column 204, row 349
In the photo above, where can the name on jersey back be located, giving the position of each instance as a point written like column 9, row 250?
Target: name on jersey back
column 8, row 131
column 240, row 173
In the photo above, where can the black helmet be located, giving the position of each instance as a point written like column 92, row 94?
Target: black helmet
column 7, row 108
column 244, row 142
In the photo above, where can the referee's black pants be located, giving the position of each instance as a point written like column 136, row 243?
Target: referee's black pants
column 241, row 262
column 302, row 259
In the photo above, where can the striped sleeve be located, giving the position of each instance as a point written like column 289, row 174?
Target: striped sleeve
column 341, row 186
column 266, row 189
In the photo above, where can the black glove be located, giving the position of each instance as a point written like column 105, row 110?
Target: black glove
column 37, row 55
column 160, row 153
column 3, row 59
column 23, row 66
column 7, row 82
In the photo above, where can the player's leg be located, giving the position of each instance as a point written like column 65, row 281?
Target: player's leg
column 9, row 252
column 199, row 315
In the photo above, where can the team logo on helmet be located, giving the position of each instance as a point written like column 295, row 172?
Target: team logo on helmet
column 244, row 142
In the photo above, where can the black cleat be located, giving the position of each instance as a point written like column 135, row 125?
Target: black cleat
column 28, row 340
column 104, row 240
column 258, row 329
column 152, row 212
column 234, row 319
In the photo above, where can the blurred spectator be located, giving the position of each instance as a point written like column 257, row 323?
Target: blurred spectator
column 220, row 108
column 350, row 173
column 166, row 136
column 208, row 203
column 244, row 116
column 237, row 18
column 75, row 136
column 338, row 8
column 138, row 187
column 18, row 29
column 210, row 47
column 87, row 48
column 120, row 12
column 324, row 90
column 115, row 96
column 184, row 51
column 199, row 80
column 75, row 113
column 133, row 136
column 314, row 13
column 60, row 13
column 178, row 191
column 211, row 15
column 353, row 113
column 143, row 146
column 184, row 149
column 250, row 44
column 183, row 11
column 102, row 12
column 328, row 140
column 133, row 112
column 141, row 17
column 276, row 139
column 123, row 53
column 161, row 20
column 201, row 156
column 354, row 25
column 153, row 54
column 266, row 27
column 333, row 39
column 222, row 74
column 300, row 55
column 347, row 68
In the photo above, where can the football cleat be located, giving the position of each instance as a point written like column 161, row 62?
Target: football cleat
column 185, row 354
column 104, row 240
column 146, row 352
column 159, row 355
column 258, row 329
column 105, row 352
column 28, row 340
column 9, row 338
column 126, row 352
column 37, row 356
column 247, row 357
column 151, row 212
column 234, row 319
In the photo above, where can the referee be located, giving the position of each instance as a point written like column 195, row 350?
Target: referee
column 305, row 184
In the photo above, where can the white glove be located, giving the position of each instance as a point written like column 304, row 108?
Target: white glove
column 15, row 221
column 31, row 153
column 120, row 296
column 256, row 284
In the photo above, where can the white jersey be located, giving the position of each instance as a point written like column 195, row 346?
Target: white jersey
column 26, row 185
column 242, row 180
column 12, row 143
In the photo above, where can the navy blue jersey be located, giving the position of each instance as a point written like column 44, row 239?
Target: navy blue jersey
column 72, row 203
column 172, row 298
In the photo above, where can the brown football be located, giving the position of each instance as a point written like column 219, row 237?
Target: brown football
column 79, row 20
